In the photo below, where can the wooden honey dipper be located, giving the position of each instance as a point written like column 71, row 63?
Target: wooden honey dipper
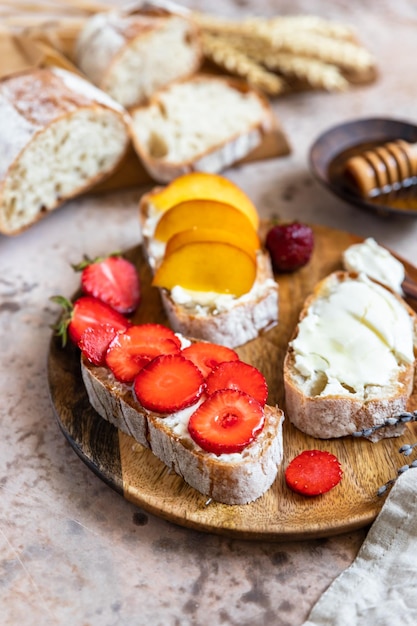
column 384, row 168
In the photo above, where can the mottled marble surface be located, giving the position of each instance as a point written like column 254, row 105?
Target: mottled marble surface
column 71, row 550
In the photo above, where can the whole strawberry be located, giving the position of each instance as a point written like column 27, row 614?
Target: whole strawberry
column 113, row 280
column 290, row 246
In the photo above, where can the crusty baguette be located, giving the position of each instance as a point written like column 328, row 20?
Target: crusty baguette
column 325, row 406
column 59, row 135
column 130, row 56
column 230, row 325
column 229, row 478
column 204, row 123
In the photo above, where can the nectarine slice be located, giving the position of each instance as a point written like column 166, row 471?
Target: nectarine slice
column 195, row 235
column 207, row 266
column 203, row 214
column 205, row 186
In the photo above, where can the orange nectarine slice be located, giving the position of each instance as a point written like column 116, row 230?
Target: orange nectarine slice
column 207, row 187
column 207, row 266
column 196, row 235
column 203, row 214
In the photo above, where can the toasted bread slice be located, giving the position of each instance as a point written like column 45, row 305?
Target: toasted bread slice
column 351, row 362
column 227, row 321
column 236, row 478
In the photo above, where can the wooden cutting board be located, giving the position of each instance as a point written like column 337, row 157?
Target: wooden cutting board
column 279, row 514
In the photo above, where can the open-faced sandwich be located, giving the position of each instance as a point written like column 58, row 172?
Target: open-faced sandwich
column 200, row 234
column 351, row 363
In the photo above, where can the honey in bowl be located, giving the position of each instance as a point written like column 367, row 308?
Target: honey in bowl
column 368, row 180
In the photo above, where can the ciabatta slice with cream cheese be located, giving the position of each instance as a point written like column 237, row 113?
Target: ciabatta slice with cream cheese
column 351, row 363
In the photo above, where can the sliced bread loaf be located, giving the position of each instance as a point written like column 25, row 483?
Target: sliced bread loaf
column 232, row 478
column 130, row 56
column 59, row 135
column 204, row 123
column 351, row 363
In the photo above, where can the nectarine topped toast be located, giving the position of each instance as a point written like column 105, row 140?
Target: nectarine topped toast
column 201, row 240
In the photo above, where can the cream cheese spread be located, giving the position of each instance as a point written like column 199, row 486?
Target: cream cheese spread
column 354, row 336
column 375, row 261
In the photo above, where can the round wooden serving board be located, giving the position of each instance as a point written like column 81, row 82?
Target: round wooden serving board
column 279, row 514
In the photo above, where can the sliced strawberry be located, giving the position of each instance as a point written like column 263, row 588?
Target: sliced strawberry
column 169, row 383
column 206, row 356
column 130, row 351
column 241, row 376
column 113, row 280
column 95, row 341
column 226, row 422
column 313, row 472
column 86, row 312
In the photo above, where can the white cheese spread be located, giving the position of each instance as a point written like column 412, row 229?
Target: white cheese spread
column 375, row 261
column 355, row 335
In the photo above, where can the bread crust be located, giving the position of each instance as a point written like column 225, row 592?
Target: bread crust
column 217, row 156
column 326, row 417
column 239, row 480
column 36, row 102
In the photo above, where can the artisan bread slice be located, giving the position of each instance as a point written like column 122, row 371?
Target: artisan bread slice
column 218, row 318
column 351, row 363
column 59, row 135
column 237, row 478
column 130, row 56
column 204, row 123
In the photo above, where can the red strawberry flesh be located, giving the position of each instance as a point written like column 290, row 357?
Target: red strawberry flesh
column 206, row 356
column 129, row 352
column 290, row 246
column 113, row 280
column 88, row 312
column 168, row 384
column 95, row 341
column 227, row 422
column 241, row 376
column 313, row 472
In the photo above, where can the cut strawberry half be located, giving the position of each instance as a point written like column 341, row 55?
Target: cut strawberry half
column 313, row 472
column 241, row 376
column 227, row 422
column 86, row 312
column 206, row 356
column 113, row 280
column 130, row 351
column 168, row 384
column 95, row 341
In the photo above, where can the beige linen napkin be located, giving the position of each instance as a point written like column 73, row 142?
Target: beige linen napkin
column 380, row 587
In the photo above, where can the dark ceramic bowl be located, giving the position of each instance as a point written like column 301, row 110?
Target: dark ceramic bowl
column 330, row 151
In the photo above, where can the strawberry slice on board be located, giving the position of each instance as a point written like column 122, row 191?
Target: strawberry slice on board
column 168, row 384
column 241, row 376
column 130, row 351
column 313, row 472
column 113, row 280
column 206, row 356
column 85, row 312
column 228, row 421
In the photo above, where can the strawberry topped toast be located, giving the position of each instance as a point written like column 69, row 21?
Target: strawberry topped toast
column 200, row 235
column 195, row 405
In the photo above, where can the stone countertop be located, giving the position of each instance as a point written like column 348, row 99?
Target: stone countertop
column 72, row 550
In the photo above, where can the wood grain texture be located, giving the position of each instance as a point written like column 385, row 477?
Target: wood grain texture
column 278, row 515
